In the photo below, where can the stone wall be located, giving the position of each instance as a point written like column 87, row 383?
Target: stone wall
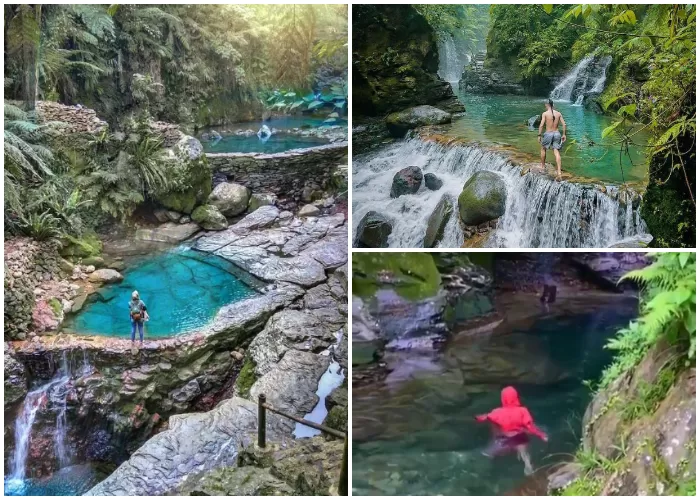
column 77, row 119
column 28, row 263
column 284, row 174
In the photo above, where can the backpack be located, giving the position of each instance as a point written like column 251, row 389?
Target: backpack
column 136, row 310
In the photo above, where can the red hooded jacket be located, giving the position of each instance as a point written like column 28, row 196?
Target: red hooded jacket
column 511, row 417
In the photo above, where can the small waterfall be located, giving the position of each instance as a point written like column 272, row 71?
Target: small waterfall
column 329, row 381
column 53, row 396
column 587, row 78
column 452, row 60
column 540, row 213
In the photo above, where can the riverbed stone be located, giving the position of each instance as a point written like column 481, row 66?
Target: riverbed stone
column 309, row 211
column 432, row 182
column 105, row 276
column 438, row 220
column 230, row 198
column 209, row 218
column 402, row 121
column 258, row 200
column 483, row 198
column 406, row 181
column 169, row 232
column 373, row 231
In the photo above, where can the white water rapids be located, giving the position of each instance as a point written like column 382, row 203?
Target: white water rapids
column 539, row 212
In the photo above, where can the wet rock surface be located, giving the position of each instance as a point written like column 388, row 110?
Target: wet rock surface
column 483, row 198
column 406, row 181
column 402, row 121
column 373, row 231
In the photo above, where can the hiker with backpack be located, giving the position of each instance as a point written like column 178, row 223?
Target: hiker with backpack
column 137, row 311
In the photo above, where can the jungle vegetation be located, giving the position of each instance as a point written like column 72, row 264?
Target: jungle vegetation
column 193, row 65
column 651, row 82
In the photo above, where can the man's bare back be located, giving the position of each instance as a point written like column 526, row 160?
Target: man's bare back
column 551, row 139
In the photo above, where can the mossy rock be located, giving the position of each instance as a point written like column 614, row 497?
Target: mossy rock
column 482, row 199
column 209, row 217
column 337, row 418
column 246, row 378
column 183, row 202
column 414, row 276
column 96, row 261
column 88, row 245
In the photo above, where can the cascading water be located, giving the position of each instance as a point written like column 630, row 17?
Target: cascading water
column 540, row 212
column 329, row 381
column 53, row 396
column 451, row 60
column 587, row 78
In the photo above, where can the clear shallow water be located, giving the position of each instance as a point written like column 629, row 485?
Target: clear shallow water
column 415, row 434
column 69, row 481
column 182, row 289
column 503, row 119
column 277, row 143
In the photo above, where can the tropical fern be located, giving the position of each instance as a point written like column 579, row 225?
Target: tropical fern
column 667, row 312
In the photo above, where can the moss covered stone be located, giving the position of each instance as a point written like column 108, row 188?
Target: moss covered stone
column 483, row 198
column 88, row 245
column 414, row 276
column 209, row 217
column 246, row 378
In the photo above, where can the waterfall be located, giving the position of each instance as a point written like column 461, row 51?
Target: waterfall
column 539, row 211
column 329, row 381
column 587, row 78
column 451, row 60
column 52, row 396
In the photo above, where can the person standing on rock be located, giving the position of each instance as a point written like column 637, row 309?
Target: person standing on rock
column 551, row 139
column 138, row 314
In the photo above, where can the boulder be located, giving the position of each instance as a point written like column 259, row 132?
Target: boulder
column 209, row 218
column 373, row 231
column 86, row 246
column 258, row 200
column 483, row 198
column 161, row 215
column 105, row 276
column 309, row 211
column 97, row 262
column 406, row 181
column 230, row 198
column 170, row 232
column 191, row 172
column 47, row 315
column 402, row 121
column 437, row 221
column 432, row 182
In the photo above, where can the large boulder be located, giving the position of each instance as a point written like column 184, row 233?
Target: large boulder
column 395, row 62
column 87, row 245
column 230, row 198
column 406, row 181
column 105, row 276
column 402, row 121
column 373, row 231
column 258, row 200
column 191, row 176
column 437, row 221
column 209, row 218
column 170, row 232
column 483, row 198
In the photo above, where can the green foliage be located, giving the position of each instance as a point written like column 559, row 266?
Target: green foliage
column 41, row 227
column 414, row 276
column 649, row 396
column 246, row 377
column 667, row 312
column 464, row 23
column 686, row 488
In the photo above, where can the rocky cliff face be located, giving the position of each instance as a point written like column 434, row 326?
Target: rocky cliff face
column 395, row 62
column 639, row 433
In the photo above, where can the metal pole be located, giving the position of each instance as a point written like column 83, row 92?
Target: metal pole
column 343, row 483
column 261, row 421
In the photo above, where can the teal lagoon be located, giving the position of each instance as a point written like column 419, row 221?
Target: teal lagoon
column 182, row 289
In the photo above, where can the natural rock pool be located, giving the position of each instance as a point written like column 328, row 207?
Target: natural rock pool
column 414, row 433
column 277, row 143
column 502, row 119
column 182, row 289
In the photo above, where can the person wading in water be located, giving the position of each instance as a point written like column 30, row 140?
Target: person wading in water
column 551, row 139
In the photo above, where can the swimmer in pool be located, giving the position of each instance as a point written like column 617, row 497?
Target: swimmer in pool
column 511, row 424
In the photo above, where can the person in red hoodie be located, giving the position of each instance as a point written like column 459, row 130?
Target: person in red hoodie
column 511, row 424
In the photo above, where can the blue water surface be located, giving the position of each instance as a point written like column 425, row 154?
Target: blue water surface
column 182, row 290
column 277, row 143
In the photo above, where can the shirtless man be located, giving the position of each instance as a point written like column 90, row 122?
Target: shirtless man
column 552, row 139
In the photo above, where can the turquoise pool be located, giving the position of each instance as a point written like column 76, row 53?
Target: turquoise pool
column 182, row 289
column 501, row 119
